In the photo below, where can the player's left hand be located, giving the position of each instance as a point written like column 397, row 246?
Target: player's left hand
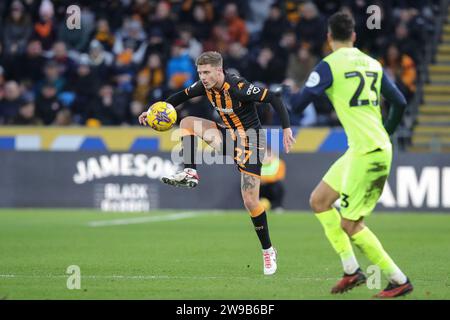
column 143, row 118
column 288, row 139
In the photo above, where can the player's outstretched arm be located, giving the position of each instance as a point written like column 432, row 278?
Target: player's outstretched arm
column 318, row 81
column 247, row 91
column 398, row 103
column 176, row 99
column 277, row 104
column 195, row 90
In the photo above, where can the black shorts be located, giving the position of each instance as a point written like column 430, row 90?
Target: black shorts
column 246, row 148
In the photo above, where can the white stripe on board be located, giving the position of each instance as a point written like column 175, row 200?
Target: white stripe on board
column 166, row 217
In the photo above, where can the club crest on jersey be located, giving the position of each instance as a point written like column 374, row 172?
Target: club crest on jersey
column 226, row 94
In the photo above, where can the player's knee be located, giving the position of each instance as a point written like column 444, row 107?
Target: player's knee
column 346, row 227
column 352, row 227
column 187, row 126
column 187, row 122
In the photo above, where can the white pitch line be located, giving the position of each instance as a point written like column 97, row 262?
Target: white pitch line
column 256, row 277
column 166, row 217
column 158, row 277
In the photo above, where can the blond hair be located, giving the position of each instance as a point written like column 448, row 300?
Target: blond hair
column 210, row 57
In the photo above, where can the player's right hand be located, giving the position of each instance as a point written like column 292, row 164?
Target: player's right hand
column 143, row 118
column 288, row 139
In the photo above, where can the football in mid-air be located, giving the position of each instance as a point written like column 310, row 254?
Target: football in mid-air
column 161, row 116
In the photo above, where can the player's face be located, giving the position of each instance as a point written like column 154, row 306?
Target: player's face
column 209, row 75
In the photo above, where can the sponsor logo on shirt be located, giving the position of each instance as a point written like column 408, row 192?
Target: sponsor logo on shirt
column 253, row 90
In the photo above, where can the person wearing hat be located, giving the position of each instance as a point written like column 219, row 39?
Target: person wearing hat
column 53, row 76
column 180, row 68
column 12, row 100
column 44, row 28
column 28, row 67
column 104, row 35
column 85, row 84
column 16, row 30
column 47, row 103
column 100, row 60
column 26, row 114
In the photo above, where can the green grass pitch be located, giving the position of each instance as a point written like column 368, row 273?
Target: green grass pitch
column 202, row 255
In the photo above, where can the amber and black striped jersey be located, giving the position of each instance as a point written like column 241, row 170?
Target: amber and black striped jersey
column 235, row 101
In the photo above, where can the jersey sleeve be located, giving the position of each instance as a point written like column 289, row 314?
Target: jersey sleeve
column 194, row 90
column 318, row 81
column 245, row 91
column 248, row 92
column 390, row 91
column 398, row 103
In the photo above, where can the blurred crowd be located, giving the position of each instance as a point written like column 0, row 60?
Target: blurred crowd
column 128, row 54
